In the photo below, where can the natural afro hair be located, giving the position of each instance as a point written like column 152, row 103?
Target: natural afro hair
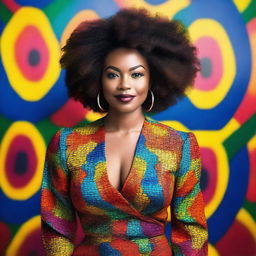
column 164, row 44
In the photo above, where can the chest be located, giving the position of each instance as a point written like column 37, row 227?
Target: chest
column 128, row 172
column 120, row 152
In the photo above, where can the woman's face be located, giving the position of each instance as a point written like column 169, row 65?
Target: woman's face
column 125, row 80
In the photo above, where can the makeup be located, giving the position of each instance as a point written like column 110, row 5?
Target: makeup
column 125, row 98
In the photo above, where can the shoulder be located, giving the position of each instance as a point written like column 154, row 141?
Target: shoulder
column 65, row 135
column 83, row 128
column 160, row 128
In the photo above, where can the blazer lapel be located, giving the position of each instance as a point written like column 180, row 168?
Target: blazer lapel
column 123, row 199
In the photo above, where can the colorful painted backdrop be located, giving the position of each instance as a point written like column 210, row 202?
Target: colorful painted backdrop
column 220, row 110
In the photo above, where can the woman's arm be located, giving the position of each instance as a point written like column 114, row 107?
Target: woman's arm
column 58, row 218
column 189, row 235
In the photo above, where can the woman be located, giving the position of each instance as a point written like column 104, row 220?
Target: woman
column 122, row 173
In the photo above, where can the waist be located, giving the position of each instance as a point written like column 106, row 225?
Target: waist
column 157, row 245
column 124, row 229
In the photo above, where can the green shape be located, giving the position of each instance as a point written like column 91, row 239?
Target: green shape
column 47, row 129
column 14, row 228
column 5, row 123
column 240, row 137
column 251, row 208
column 52, row 9
column 250, row 12
column 6, row 14
column 143, row 244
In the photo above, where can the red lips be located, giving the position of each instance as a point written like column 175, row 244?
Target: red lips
column 125, row 98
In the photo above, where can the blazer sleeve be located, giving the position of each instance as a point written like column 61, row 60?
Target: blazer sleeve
column 189, row 233
column 58, row 219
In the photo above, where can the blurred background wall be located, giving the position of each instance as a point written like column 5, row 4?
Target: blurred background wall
column 220, row 110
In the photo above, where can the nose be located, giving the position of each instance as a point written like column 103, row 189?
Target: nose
column 124, row 84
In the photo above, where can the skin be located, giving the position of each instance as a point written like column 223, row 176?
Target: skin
column 125, row 71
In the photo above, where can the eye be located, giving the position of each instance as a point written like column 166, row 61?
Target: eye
column 111, row 75
column 137, row 74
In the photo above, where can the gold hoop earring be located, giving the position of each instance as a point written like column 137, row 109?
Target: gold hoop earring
column 98, row 102
column 152, row 101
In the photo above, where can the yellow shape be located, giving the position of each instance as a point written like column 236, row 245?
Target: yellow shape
column 29, row 130
column 169, row 216
column 168, row 8
column 212, row 250
column 60, row 246
column 78, row 156
column 27, row 228
column 93, row 116
column 29, row 90
column 242, row 4
column 244, row 217
column 159, row 131
column 140, row 165
column 211, row 28
column 197, row 241
column 88, row 130
column 100, row 170
column 163, row 155
column 252, row 143
column 84, row 15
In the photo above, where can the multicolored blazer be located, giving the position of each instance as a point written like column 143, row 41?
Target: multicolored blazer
column 163, row 180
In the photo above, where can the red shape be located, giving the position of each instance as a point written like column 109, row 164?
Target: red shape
column 189, row 183
column 86, row 249
column 28, row 40
column 209, row 162
column 19, row 144
column 237, row 241
column 70, row 114
column 251, row 192
column 79, row 232
column 247, row 107
column 125, row 247
column 11, row 5
column 4, row 237
column 32, row 245
column 209, row 83
column 119, row 227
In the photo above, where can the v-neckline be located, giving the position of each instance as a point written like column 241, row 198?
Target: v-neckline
column 121, row 190
column 119, row 198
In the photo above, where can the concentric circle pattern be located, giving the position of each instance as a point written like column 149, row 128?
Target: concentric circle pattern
column 31, row 52
column 33, row 59
column 21, row 160
column 27, row 239
column 218, row 64
column 225, row 63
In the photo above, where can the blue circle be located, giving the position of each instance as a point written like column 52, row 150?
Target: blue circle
column 215, row 118
column 15, row 108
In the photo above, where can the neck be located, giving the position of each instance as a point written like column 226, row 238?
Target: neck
column 124, row 121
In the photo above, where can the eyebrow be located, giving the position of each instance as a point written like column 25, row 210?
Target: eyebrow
column 118, row 70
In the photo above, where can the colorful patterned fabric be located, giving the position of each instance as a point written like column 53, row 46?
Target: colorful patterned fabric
column 165, row 172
